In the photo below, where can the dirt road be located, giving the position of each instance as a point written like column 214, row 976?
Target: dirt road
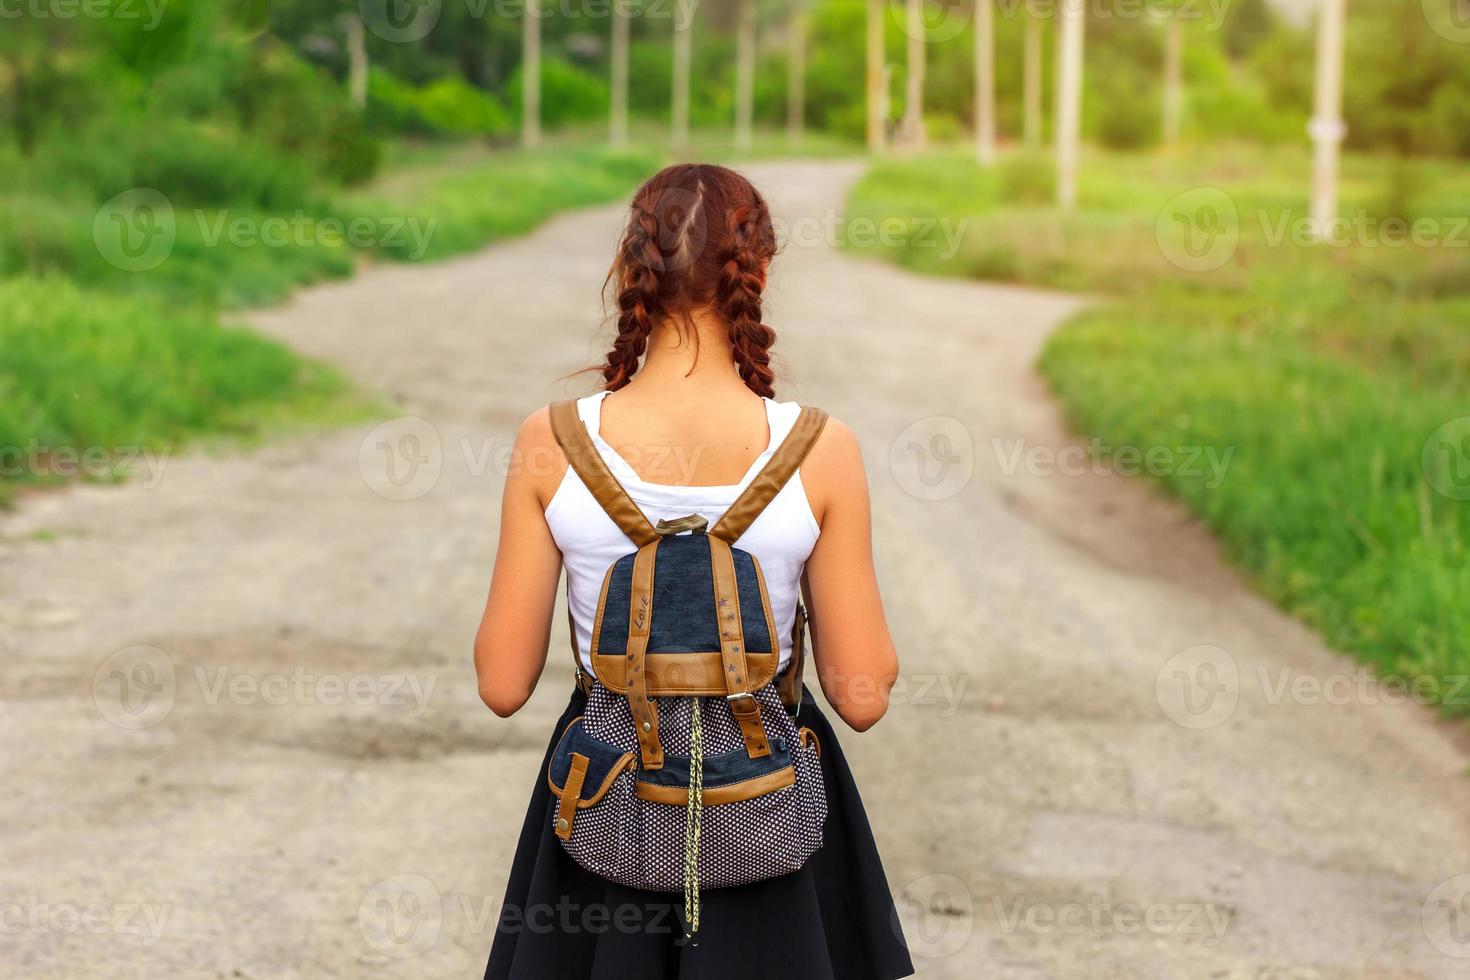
column 243, row 739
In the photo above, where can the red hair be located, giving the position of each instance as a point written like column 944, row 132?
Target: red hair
column 697, row 235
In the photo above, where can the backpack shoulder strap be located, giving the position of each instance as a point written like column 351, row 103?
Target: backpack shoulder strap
column 571, row 435
column 782, row 465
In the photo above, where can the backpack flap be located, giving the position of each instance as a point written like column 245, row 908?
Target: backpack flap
column 730, row 777
column 605, row 762
column 684, row 656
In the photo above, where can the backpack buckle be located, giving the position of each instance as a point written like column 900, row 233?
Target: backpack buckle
column 693, row 523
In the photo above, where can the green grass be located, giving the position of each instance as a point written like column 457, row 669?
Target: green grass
column 1325, row 370
column 86, row 375
column 102, row 359
column 1112, row 242
column 245, row 256
column 451, row 208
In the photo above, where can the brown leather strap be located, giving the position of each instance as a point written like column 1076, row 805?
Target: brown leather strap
column 788, row 685
column 571, row 434
column 743, row 705
column 571, row 793
column 745, row 789
column 773, row 476
column 640, row 616
column 683, row 675
column 584, row 683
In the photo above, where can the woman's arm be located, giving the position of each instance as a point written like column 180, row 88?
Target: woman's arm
column 855, row 658
column 510, row 648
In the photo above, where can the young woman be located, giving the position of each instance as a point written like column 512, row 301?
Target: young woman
column 685, row 419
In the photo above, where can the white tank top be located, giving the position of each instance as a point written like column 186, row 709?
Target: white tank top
column 781, row 538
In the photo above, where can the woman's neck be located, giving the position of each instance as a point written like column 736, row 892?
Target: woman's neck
column 696, row 352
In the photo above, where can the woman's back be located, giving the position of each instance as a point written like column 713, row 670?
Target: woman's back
column 781, row 538
column 699, row 432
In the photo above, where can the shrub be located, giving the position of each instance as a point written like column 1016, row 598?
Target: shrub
column 301, row 109
column 191, row 163
column 393, row 105
column 1122, row 108
column 453, row 107
column 447, row 107
column 568, row 94
column 941, row 127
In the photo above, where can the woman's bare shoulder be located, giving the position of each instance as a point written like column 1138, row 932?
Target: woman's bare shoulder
column 833, row 470
column 537, row 460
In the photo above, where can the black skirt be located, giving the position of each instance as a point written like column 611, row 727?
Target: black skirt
column 832, row 920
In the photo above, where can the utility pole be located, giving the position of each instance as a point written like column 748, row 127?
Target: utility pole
column 621, row 22
column 1069, row 101
column 1327, row 128
column 531, row 75
column 877, row 122
column 1031, row 82
column 796, row 77
column 985, row 82
column 683, row 50
column 745, row 77
column 913, row 108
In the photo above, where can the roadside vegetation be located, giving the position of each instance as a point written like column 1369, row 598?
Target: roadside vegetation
column 1335, row 371
column 1328, row 369
column 156, row 183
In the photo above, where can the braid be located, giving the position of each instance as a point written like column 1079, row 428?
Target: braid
column 738, row 297
column 698, row 238
column 638, row 297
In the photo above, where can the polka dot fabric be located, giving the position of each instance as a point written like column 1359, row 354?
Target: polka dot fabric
column 640, row 843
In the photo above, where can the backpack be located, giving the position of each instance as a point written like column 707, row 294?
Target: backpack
column 687, row 769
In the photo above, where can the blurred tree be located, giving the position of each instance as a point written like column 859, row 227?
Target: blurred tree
column 745, row 75
column 796, row 73
column 985, row 82
column 877, row 125
column 913, row 102
column 621, row 24
column 1247, row 24
column 1032, row 82
column 33, row 86
column 1404, row 74
column 683, row 54
column 357, row 59
column 1173, row 97
column 531, row 17
column 1069, row 100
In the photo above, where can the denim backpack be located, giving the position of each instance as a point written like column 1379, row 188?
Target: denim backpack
column 687, row 769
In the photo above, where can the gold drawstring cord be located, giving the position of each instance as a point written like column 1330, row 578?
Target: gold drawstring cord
column 692, row 821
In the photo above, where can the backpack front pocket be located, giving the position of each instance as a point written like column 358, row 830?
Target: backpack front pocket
column 595, row 814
